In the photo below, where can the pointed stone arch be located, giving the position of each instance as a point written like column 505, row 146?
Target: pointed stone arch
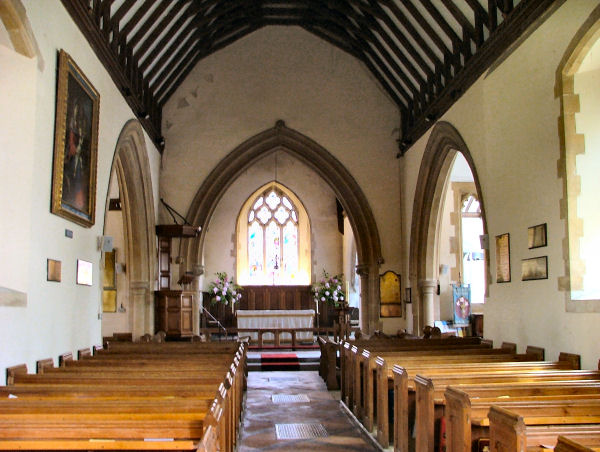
column 132, row 169
column 443, row 144
column 283, row 139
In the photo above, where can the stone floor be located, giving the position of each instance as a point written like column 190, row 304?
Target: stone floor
column 321, row 415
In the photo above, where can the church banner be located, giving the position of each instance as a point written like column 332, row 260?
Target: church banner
column 461, row 296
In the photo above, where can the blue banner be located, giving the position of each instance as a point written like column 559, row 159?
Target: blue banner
column 461, row 295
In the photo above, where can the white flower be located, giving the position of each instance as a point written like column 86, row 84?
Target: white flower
column 327, row 285
column 326, row 293
column 339, row 287
column 218, row 298
column 224, row 292
column 239, row 296
column 216, row 289
column 322, row 298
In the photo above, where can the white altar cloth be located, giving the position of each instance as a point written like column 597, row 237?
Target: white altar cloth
column 302, row 318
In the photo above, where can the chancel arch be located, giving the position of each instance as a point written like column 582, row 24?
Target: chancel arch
column 444, row 143
column 281, row 139
column 132, row 170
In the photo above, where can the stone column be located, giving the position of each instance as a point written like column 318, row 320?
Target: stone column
column 428, row 287
column 198, row 270
column 141, row 300
column 369, row 297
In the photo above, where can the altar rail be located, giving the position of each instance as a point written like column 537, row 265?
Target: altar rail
column 278, row 342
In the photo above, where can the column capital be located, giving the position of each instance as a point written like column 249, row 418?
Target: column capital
column 198, row 269
column 428, row 283
column 362, row 269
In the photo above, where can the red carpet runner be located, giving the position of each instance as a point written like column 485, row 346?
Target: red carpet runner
column 279, row 361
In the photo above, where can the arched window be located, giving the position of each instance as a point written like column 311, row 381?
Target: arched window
column 273, row 239
column 473, row 258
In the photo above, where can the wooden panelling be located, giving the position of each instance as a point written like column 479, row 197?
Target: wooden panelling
column 271, row 298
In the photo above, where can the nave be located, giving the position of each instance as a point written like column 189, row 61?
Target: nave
column 292, row 404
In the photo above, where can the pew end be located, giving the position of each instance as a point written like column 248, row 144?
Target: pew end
column 510, row 346
column 83, row 353
column 572, row 358
column 64, row 358
column 564, row 444
column 507, row 430
column 43, row 364
column 12, row 372
column 539, row 352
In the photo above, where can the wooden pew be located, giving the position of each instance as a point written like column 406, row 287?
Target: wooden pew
column 396, row 380
column 140, row 405
column 521, row 428
column 354, row 371
column 375, row 344
column 466, row 408
column 427, row 387
column 364, row 394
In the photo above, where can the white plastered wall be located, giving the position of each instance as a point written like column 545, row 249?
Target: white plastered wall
column 318, row 90
column 509, row 122
column 59, row 317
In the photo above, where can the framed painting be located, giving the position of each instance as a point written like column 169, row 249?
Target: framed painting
column 391, row 300
column 503, row 258
column 75, row 144
column 53, row 270
column 534, row 268
column 537, row 236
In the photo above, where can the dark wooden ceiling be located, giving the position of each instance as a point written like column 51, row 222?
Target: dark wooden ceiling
column 424, row 53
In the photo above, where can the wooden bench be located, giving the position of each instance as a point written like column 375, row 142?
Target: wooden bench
column 394, row 382
column 348, row 350
column 354, row 359
column 523, row 428
column 467, row 408
column 427, row 388
column 126, row 399
column 365, row 391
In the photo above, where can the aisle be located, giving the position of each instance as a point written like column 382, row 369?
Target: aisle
column 293, row 404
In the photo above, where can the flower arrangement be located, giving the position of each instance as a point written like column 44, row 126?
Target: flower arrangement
column 224, row 290
column 330, row 289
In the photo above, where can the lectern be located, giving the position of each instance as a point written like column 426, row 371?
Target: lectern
column 173, row 309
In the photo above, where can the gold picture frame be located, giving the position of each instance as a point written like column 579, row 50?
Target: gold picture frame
column 503, row 274
column 391, row 299
column 75, row 144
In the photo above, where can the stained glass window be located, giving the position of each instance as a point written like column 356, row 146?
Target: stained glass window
column 273, row 239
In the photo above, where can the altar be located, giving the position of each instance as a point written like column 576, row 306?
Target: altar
column 297, row 318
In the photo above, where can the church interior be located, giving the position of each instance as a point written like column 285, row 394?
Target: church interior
column 431, row 154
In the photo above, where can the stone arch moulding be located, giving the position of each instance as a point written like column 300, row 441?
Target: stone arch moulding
column 345, row 187
column 443, row 144
column 14, row 17
column 132, row 169
column 572, row 144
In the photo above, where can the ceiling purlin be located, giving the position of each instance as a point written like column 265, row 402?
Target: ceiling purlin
column 167, row 40
column 176, row 52
column 165, row 26
column 150, row 23
column 368, row 23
